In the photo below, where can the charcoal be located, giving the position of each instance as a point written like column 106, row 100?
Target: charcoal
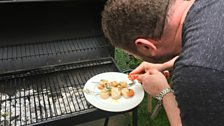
column 30, row 106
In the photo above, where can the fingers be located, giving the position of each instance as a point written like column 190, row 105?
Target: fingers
column 166, row 73
column 138, row 70
column 150, row 73
column 142, row 76
column 132, row 77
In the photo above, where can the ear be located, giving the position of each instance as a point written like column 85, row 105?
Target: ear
column 146, row 46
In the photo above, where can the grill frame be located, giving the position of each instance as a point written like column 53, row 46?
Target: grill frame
column 21, row 34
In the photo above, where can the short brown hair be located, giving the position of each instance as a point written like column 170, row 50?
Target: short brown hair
column 123, row 21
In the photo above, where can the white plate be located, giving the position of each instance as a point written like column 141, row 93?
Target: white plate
column 109, row 104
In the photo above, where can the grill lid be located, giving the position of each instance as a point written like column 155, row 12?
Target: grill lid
column 37, row 34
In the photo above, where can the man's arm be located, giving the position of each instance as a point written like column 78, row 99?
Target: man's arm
column 146, row 66
column 172, row 110
column 154, row 82
column 169, row 64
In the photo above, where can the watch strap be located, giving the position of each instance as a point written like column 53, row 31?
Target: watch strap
column 163, row 93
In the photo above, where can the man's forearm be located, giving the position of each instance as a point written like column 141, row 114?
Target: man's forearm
column 169, row 64
column 172, row 110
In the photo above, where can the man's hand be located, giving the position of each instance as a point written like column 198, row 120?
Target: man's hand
column 153, row 81
column 145, row 66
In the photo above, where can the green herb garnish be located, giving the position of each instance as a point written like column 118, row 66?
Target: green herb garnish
column 108, row 88
column 132, row 83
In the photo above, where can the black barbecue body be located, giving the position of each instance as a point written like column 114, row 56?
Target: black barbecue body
column 48, row 50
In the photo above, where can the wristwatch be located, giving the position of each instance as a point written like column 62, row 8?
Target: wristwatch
column 163, row 93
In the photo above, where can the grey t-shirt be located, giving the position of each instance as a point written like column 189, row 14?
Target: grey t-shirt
column 198, row 76
column 203, row 35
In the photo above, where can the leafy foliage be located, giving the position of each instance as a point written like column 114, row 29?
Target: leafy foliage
column 126, row 62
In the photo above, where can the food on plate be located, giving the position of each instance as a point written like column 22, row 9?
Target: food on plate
column 104, row 81
column 131, row 92
column 105, row 94
column 102, row 84
column 127, row 92
column 123, row 84
column 115, row 93
column 114, row 89
column 114, row 84
column 132, row 77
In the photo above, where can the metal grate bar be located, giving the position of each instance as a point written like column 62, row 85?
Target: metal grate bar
column 64, row 94
column 35, row 117
column 23, row 51
column 26, row 107
column 52, row 108
column 47, row 103
column 70, row 90
column 40, row 104
column 51, row 48
column 51, row 69
column 10, row 104
column 82, row 106
column 55, row 97
column 21, row 110
column 73, row 80
column 60, row 100
column 4, row 53
column 30, row 102
column 1, row 106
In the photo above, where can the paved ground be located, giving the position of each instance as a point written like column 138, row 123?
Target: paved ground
column 118, row 120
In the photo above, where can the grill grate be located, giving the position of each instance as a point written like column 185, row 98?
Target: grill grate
column 48, row 93
column 32, row 50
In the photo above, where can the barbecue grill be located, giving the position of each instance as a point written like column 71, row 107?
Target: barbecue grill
column 48, row 50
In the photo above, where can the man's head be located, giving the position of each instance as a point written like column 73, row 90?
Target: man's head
column 124, row 21
column 149, row 29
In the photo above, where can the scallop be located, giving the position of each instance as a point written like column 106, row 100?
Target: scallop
column 123, row 84
column 114, row 84
column 115, row 93
column 127, row 92
column 104, row 94
column 100, row 86
column 124, row 92
column 103, row 82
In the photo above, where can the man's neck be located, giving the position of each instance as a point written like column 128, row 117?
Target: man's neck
column 176, row 17
column 188, row 5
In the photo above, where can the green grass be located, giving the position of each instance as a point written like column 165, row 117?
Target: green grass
column 126, row 62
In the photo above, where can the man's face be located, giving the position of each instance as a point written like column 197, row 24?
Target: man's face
column 148, row 58
column 157, row 59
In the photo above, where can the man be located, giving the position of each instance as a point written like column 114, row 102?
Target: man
column 159, row 30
